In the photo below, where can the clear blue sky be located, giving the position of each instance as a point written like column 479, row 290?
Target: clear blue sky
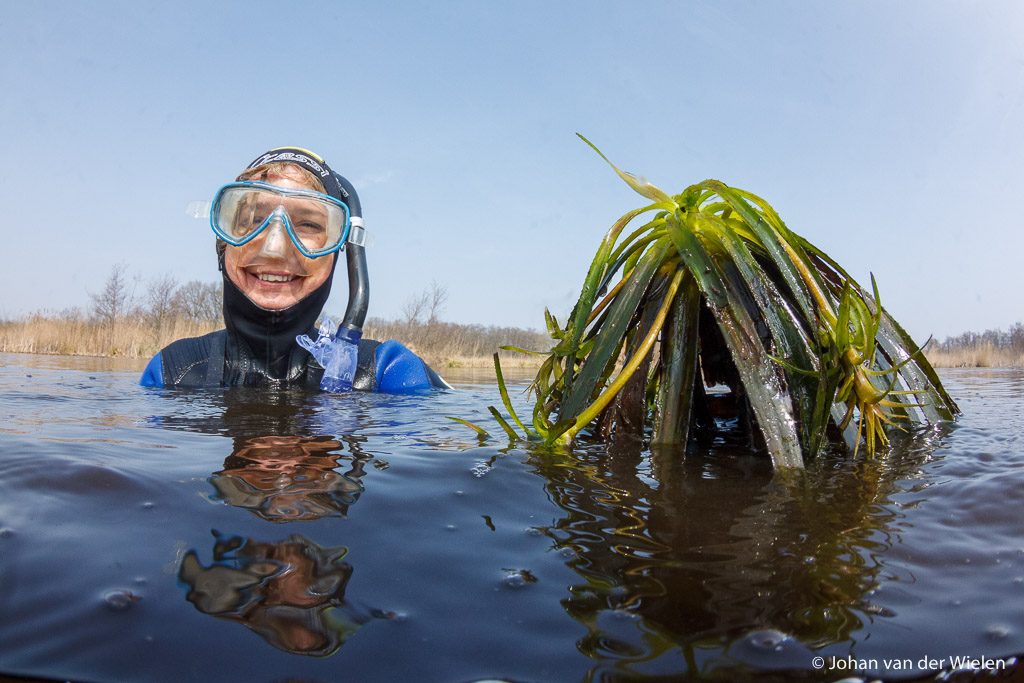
column 889, row 134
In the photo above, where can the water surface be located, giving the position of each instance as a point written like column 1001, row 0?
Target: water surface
column 159, row 534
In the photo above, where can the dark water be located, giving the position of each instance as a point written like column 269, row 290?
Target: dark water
column 166, row 535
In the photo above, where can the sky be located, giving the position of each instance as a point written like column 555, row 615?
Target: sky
column 891, row 135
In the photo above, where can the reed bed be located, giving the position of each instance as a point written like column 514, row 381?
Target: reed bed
column 987, row 356
column 454, row 345
column 75, row 335
column 441, row 344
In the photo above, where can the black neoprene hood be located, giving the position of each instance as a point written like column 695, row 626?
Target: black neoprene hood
column 270, row 334
column 334, row 184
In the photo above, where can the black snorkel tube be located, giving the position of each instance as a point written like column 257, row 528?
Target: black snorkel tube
column 355, row 256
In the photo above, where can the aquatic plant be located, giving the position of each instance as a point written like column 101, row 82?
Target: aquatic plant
column 716, row 290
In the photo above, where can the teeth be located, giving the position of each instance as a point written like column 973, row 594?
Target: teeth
column 266, row 277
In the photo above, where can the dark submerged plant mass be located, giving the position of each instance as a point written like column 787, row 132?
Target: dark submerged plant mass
column 716, row 291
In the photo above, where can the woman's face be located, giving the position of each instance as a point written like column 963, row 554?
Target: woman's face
column 269, row 269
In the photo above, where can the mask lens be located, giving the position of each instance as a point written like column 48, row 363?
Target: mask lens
column 317, row 224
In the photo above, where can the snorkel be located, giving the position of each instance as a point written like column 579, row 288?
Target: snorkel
column 355, row 257
column 338, row 350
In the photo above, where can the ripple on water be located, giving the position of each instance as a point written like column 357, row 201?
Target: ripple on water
column 770, row 649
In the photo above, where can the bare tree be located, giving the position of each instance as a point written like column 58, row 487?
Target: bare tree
column 437, row 297
column 198, row 301
column 159, row 302
column 414, row 307
column 427, row 304
column 115, row 299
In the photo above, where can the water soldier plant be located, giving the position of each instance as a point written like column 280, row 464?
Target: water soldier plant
column 715, row 291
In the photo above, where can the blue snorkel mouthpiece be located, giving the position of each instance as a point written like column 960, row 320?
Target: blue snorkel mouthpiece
column 337, row 350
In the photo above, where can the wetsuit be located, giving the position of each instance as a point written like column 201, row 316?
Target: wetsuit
column 258, row 348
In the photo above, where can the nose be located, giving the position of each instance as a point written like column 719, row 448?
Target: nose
column 275, row 239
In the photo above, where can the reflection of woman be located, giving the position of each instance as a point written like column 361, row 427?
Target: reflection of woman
column 280, row 229
column 291, row 593
column 288, row 478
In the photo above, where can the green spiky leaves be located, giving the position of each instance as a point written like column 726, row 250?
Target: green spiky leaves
column 716, row 290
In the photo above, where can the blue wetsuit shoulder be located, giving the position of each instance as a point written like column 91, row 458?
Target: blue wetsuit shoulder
column 153, row 375
column 399, row 370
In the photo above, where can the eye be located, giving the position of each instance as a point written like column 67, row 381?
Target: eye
column 311, row 230
column 260, row 211
column 245, row 221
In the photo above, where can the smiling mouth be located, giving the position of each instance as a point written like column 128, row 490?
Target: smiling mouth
column 269, row 277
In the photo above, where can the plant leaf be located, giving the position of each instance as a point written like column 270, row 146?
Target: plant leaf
column 759, row 374
column 613, row 330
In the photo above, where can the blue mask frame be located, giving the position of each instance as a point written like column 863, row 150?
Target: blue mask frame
column 281, row 215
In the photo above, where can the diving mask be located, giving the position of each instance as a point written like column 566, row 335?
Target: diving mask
column 316, row 223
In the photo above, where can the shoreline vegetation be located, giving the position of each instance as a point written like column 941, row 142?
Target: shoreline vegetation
column 988, row 349
column 440, row 344
column 130, row 320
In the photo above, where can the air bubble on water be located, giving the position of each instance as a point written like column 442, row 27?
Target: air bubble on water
column 459, row 493
column 119, row 600
column 518, row 578
column 480, row 469
column 768, row 640
column 148, row 506
column 450, row 527
column 997, row 631
column 533, row 531
column 514, row 581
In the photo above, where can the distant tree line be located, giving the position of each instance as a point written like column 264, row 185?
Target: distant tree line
column 991, row 348
column 447, row 344
column 161, row 300
column 1012, row 339
column 131, row 317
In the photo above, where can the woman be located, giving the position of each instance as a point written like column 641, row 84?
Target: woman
column 280, row 229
